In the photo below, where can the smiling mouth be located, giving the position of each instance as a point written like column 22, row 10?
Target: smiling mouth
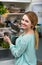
column 23, row 25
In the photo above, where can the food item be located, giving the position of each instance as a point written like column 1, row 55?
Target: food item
column 4, row 45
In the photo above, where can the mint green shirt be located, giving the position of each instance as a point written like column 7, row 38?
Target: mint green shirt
column 24, row 50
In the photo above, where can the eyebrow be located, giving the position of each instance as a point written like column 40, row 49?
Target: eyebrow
column 25, row 20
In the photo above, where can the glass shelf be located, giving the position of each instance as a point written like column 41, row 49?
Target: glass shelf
column 3, row 48
column 24, row 1
column 15, row 13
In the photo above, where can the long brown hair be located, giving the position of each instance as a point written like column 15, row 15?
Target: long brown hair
column 34, row 20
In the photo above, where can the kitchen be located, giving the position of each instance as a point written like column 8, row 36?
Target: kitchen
column 5, row 54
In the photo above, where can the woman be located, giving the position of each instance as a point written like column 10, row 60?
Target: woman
column 24, row 50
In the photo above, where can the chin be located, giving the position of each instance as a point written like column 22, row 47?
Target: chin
column 23, row 28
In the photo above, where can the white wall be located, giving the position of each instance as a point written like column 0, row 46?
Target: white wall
column 30, row 6
column 36, row 0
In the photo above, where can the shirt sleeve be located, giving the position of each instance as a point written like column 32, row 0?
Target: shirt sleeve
column 18, row 50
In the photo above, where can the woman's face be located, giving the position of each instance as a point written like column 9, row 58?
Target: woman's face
column 25, row 23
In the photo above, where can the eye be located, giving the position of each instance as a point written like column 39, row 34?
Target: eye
column 22, row 19
column 26, row 21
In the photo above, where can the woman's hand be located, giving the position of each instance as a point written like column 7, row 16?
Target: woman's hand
column 7, row 39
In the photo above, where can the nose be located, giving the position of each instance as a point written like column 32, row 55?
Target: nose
column 22, row 21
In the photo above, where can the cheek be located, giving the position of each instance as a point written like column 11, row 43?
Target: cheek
column 29, row 25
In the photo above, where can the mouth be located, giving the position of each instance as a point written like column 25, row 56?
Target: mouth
column 23, row 25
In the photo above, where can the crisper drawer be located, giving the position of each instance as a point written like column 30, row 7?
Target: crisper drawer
column 5, row 54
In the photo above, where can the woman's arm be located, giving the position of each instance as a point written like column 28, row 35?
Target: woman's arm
column 18, row 50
